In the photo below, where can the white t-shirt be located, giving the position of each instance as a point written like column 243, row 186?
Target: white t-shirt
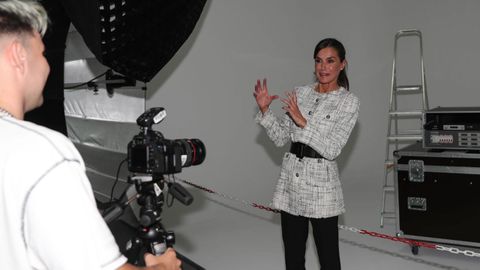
column 48, row 216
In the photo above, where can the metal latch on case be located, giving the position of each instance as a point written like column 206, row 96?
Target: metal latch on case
column 415, row 170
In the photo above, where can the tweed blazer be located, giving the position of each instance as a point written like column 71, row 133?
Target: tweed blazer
column 311, row 187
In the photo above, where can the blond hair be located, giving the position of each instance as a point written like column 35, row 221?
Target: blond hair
column 22, row 16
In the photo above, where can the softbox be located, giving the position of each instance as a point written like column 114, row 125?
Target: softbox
column 134, row 37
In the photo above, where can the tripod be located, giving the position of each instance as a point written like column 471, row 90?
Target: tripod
column 151, row 236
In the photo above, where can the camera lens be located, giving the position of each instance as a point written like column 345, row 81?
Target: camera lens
column 193, row 151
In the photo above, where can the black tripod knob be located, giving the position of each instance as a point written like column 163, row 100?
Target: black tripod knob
column 170, row 238
column 151, row 210
column 147, row 218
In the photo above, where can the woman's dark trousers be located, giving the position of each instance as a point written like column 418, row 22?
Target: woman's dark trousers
column 325, row 233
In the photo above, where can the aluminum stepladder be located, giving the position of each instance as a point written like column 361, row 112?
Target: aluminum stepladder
column 395, row 136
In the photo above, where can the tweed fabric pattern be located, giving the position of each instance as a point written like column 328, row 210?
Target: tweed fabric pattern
column 311, row 187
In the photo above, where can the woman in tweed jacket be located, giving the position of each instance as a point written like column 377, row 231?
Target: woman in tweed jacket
column 318, row 121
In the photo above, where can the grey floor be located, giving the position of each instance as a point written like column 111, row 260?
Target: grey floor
column 218, row 233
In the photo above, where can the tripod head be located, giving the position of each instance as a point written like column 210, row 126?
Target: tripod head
column 150, row 198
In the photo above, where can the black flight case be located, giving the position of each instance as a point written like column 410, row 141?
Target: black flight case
column 437, row 194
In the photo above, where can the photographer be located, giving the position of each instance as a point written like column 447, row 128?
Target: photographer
column 48, row 216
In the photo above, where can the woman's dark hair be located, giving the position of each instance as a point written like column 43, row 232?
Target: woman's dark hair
column 338, row 46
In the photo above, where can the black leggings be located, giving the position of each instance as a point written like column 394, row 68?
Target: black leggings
column 325, row 233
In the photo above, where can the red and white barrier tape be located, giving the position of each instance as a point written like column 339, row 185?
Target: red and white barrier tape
column 256, row 205
column 410, row 242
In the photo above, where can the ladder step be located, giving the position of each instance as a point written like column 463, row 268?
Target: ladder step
column 389, row 164
column 388, row 188
column 405, row 138
column 388, row 214
column 406, row 113
column 402, row 88
column 408, row 32
column 415, row 132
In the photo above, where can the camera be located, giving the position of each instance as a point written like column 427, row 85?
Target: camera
column 150, row 153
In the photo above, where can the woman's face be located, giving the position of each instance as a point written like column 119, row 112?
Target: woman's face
column 327, row 67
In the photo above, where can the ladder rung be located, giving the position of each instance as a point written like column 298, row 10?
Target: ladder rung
column 415, row 132
column 408, row 32
column 388, row 214
column 408, row 88
column 389, row 167
column 406, row 113
column 405, row 138
column 389, row 164
column 388, row 188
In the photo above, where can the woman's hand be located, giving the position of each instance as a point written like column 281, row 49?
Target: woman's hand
column 292, row 109
column 262, row 97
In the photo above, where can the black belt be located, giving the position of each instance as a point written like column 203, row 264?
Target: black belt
column 302, row 150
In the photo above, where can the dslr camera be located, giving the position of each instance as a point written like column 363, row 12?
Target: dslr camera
column 150, row 153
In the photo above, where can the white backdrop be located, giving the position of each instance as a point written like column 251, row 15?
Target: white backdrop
column 207, row 88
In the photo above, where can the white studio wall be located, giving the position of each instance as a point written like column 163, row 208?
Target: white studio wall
column 207, row 88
